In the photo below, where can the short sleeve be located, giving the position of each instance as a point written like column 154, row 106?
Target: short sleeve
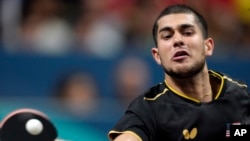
column 137, row 120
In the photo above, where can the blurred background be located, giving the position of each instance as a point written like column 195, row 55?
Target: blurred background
column 82, row 61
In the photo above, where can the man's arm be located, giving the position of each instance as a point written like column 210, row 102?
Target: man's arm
column 126, row 137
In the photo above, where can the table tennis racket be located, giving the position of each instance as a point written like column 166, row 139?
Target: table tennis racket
column 27, row 125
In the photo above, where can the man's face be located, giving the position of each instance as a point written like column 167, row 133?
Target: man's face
column 181, row 47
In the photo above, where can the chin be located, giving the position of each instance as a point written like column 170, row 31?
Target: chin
column 185, row 72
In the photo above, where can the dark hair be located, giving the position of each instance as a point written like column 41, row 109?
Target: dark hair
column 181, row 8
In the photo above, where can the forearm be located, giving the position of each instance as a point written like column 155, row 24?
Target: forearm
column 126, row 137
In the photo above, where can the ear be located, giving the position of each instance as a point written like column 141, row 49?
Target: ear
column 156, row 55
column 209, row 46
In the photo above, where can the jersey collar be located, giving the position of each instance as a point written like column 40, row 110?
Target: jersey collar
column 218, row 91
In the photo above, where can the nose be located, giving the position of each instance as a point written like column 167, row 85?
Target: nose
column 178, row 41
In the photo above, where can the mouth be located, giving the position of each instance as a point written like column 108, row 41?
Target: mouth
column 180, row 55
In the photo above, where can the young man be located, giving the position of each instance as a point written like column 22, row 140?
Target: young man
column 193, row 103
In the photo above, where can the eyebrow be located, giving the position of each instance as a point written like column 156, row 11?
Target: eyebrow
column 182, row 26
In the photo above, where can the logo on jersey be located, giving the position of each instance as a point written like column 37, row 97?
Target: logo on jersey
column 189, row 134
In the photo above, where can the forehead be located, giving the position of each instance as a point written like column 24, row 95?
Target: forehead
column 175, row 20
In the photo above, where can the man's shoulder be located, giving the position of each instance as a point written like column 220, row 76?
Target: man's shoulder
column 151, row 96
column 235, row 85
column 232, row 83
column 156, row 91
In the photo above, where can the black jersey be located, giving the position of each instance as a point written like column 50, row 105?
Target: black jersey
column 162, row 114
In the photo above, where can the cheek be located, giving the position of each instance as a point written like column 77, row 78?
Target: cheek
column 200, row 53
column 165, row 56
column 165, row 49
column 196, row 47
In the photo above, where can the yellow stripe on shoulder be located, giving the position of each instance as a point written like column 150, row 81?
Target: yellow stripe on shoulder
column 231, row 80
column 158, row 95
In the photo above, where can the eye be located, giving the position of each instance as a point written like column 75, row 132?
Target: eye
column 188, row 33
column 166, row 36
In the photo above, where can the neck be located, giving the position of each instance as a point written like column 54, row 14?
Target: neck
column 197, row 87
